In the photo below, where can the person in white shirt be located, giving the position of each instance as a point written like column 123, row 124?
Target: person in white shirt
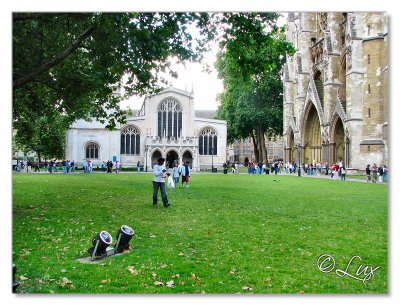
column 159, row 182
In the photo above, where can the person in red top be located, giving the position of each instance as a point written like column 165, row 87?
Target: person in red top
column 336, row 171
column 332, row 170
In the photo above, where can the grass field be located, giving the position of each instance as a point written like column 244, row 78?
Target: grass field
column 224, row 234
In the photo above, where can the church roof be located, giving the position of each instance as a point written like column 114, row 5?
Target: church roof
column 206, row 114
column 174, row 89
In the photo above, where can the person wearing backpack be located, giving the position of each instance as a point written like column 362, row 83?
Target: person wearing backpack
column 186, row 174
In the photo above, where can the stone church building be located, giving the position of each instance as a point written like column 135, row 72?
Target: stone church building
column 167, row 125
column 336, row 89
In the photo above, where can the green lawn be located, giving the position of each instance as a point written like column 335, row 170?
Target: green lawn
column 224, row 234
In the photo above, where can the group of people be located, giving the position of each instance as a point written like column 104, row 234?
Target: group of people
column 109, row 166
column 68, row 166
column 49, row 166
column 20, row 166
column 338, row 170
column 290, row 167
column 379, row 173
column 264, row 167
column 160, row 174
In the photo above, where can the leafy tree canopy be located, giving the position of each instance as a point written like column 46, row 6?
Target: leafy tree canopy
column 45, row 135
column 250, row 64
column 69, row 61
column 72, row 63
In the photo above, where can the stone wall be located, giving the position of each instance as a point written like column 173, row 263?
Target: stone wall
column 348, row 53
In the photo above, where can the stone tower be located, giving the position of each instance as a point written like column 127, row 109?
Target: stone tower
column 336, row 88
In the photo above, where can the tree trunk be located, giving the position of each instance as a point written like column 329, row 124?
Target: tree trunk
column 263, row 155
column 260, row 144
column 263, row 149
column 255, row 145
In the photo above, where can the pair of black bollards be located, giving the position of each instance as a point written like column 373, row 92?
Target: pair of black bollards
column 15, row 283
column 102, row 241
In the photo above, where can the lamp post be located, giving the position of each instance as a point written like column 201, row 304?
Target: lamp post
column 299, row 157
column 146, row 149
column 212, row 155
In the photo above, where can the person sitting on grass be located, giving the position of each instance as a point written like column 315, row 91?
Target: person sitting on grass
column 186, row 174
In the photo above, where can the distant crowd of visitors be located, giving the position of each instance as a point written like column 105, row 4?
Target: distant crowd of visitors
column 66, row 166
column 265, row 168
column 335, row 170
column 51, row 166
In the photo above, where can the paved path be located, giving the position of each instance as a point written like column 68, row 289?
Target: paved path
column 317, row 176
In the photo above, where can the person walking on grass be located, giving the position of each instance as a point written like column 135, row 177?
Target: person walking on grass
column 175, row 173
column 343, row 174
column 333, row 170
column 380, row 174
column 186, row 174
column 117, row 166
column 159, row 182
column 234, row 168
column 374, row 173
column 385, row 173
column 368, row 173
column 19, row 167
column 64, row 166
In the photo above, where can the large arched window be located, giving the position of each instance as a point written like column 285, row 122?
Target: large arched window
column 169, row 118
column 208, row 142
column 92, row 150
column 130, row 140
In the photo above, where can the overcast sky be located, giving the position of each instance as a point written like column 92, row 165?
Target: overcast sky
column 205, row 85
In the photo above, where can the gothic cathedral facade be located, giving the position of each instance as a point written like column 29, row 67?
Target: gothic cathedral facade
column 336, row 89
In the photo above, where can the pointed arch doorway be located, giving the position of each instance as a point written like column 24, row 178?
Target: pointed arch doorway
column 188, row 157
column 338, row 141
column 154, row 157
column 312, row 137
column 170, row 158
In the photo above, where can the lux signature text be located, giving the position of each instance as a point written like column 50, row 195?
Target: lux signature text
column 354, row 269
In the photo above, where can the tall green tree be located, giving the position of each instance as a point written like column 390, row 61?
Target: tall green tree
column 250, row 65
column 72, row 62
column 46, row 136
